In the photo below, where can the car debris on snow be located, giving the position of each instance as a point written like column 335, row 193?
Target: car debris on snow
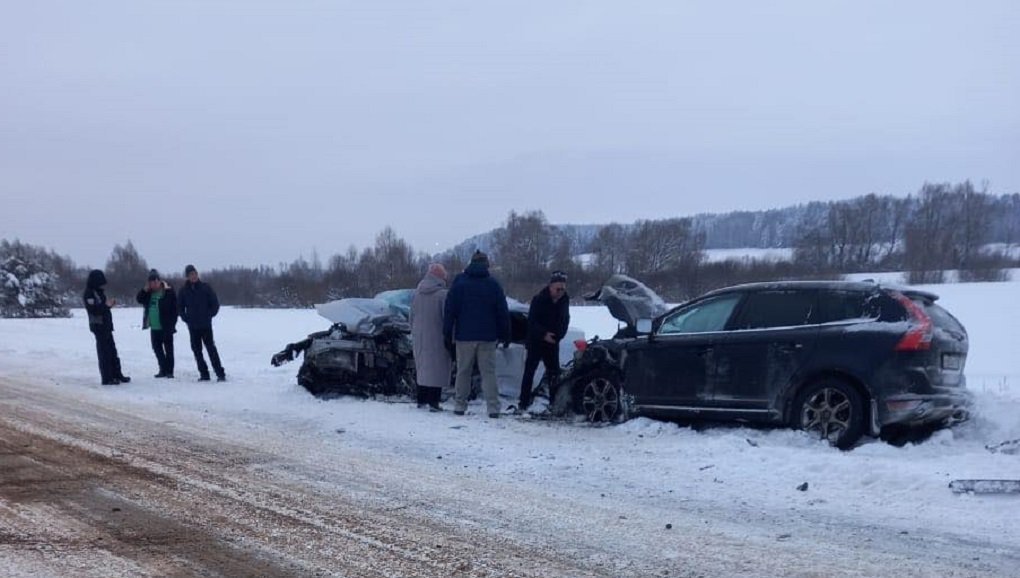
column 985, row 486
column 1009, row 447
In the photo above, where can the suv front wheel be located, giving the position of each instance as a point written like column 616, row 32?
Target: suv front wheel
column 599, row 398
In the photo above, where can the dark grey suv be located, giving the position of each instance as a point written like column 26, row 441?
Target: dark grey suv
column 840, row 359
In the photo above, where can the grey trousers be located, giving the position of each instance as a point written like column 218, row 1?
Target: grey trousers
column 484, row 352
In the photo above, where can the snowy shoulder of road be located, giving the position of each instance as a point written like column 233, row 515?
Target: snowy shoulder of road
column 736, row 474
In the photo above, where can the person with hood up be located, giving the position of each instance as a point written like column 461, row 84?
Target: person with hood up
column 159, row 316
column 432, row 361
column 97, row 306
column 548, row 321
column 475, row 320
column 197, row 304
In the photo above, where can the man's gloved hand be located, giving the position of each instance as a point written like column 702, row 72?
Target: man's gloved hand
column 450, row 347
column 505, row 344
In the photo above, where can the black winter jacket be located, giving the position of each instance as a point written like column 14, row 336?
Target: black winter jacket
column 548, row 316
column 197, row 304
column 94, row 298
column 167, row 308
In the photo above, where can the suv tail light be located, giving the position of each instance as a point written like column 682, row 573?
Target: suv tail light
column 918, row 337
column 580, row 344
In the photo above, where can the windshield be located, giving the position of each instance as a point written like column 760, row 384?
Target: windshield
column 398, row 299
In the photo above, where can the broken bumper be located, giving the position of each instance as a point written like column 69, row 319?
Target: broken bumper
column 917, row 409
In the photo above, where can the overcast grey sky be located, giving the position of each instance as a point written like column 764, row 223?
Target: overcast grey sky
column 250, row 131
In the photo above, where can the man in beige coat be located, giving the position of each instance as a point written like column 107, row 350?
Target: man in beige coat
column 431, row 357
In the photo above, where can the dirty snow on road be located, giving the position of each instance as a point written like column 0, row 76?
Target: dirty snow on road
column 256, row 477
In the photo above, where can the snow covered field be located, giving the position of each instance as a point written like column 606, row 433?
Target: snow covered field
column 595, row 500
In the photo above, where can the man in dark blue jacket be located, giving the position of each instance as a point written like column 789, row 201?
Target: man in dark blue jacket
column 159, row 316
column 548, row 320
column 198, row 305
column 475, row 319
column 97, row 306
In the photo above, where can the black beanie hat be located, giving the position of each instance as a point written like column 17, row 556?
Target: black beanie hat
column 153, row 275
column 480, row 258
column 189, row 269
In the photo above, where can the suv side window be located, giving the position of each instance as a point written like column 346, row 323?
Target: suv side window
column 707, row 316
column 778, row 308
column 840, row 305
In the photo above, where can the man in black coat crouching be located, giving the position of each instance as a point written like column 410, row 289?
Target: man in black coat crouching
column 548, row 320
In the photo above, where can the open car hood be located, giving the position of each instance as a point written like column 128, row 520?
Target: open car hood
column 363, row 316
column 629, row 299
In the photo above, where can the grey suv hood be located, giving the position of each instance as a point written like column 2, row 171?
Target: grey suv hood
column 629, row 299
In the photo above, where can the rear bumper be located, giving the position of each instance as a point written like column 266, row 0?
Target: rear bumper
column 917, row 409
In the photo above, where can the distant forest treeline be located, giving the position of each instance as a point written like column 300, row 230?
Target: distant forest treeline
column 944, row 227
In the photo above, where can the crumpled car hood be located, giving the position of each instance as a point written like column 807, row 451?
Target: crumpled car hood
column 629, row 299
column 362, row 316
column 366, row 316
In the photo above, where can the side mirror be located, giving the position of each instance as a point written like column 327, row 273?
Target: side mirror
column 644, row 326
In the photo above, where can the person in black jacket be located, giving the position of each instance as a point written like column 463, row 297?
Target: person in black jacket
column 159, row 316
column 548, row 320
column 97, row 306
column 198, row 304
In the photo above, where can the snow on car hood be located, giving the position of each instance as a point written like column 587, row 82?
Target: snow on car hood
column 629, row 299
column 360, row 315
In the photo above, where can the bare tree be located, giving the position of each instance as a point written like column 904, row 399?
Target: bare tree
column 126, row 271
column 610, row 249
column 523, row 247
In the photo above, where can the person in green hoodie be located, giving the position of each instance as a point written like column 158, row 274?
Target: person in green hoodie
column 159, row 316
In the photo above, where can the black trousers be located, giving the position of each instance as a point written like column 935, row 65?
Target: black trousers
column 429, row 396
column 106, row 351
column 204, row 336
column 549, row 355
column 163, row 347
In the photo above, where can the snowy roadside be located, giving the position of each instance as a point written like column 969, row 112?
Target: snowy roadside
column 738, row 483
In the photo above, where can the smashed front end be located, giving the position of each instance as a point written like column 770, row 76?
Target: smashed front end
column 366, row 352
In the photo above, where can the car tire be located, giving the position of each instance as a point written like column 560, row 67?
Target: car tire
column 598, row 397
column 833, row 410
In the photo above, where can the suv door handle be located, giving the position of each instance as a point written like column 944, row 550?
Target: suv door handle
column 703, row 351
column 790, row 347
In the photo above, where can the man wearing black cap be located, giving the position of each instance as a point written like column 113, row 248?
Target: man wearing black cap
column 548, row 320
column 198, row 304
column 159, row 316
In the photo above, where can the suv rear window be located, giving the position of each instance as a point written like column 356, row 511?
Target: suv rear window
column 768, row 309
column 940, row 316
column 839, row 305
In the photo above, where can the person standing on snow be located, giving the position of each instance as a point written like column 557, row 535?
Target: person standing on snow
column 198, row 304
column 432, row 361
column 97, row 306
column 548, row 320
column 159, row 316
column 475, row 320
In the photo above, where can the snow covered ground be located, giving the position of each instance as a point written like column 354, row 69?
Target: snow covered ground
column 734, row 488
